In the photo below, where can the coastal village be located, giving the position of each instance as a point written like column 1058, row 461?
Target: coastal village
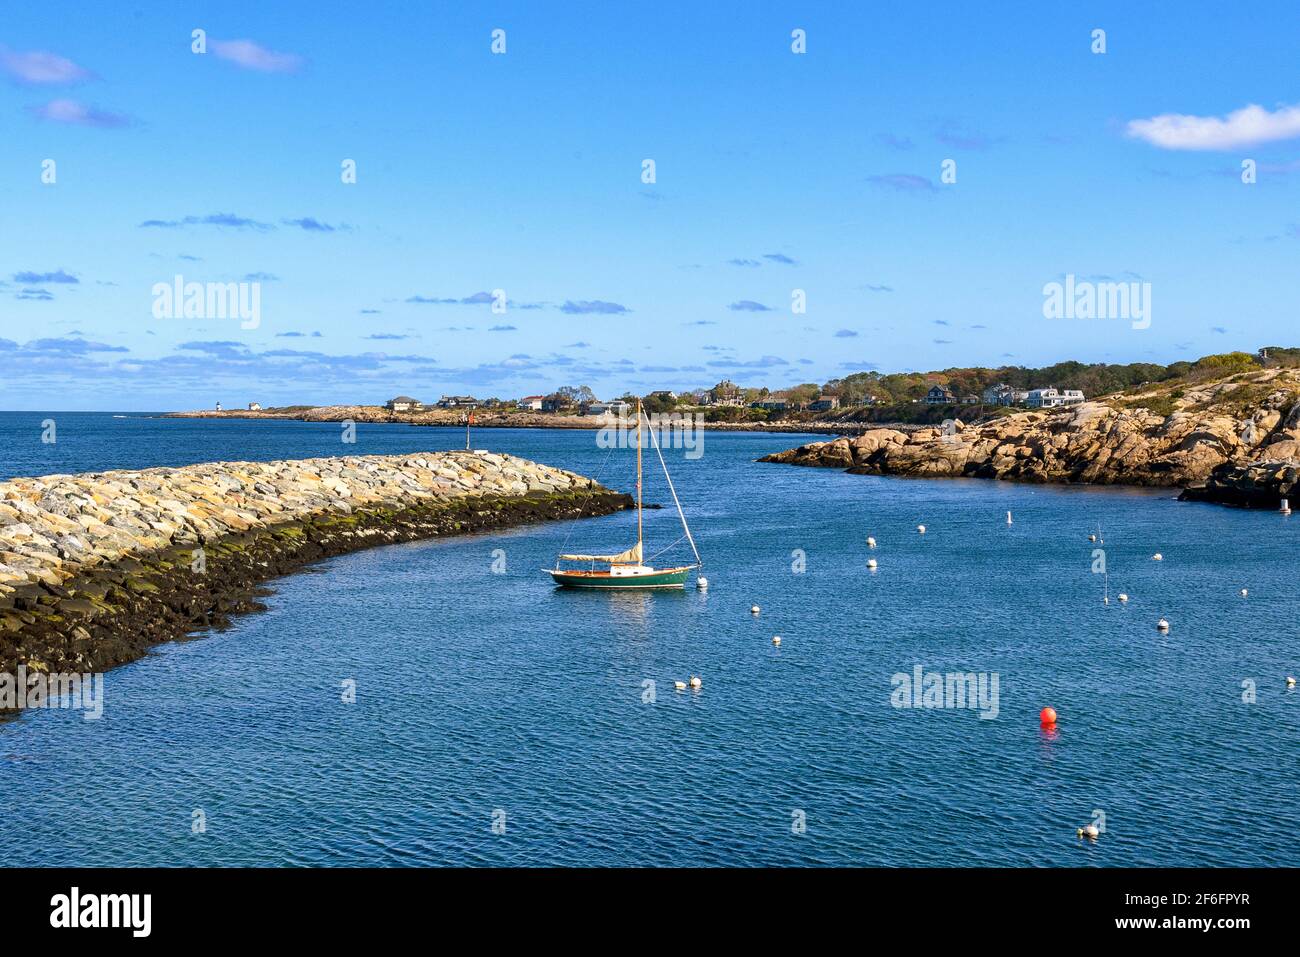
column 726, row 394
column 728, row 402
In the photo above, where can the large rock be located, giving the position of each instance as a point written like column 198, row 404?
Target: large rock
column 1212, row 426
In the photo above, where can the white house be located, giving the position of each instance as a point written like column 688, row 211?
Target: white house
column 404, row 403
column 533, row 402
column 995, row 394
column 254, row 407
column 618, row 408
column 1053, row 398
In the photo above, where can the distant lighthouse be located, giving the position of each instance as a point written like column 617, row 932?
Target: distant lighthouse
column 218, row 406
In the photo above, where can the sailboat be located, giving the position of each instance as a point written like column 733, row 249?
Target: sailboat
column 628, row 569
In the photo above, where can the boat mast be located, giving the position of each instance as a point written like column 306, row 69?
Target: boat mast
column 638, row 475
column 699, row 562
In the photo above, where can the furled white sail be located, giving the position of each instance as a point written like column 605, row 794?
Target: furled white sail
column 632, row 555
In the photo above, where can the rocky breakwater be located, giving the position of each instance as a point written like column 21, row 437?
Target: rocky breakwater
column 1250, row 485
column 1223, row 427
column 95, row 568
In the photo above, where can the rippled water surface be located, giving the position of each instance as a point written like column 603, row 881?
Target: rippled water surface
column 481, row 693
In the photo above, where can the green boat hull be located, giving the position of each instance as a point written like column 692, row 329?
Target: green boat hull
column 668, row 578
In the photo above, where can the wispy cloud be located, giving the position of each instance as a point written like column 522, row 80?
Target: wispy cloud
column 212, row 219
column 781, row 258
column 871, row 288
column 502, row 329
column 310, row 224
column 70, row 346
column 748, row 305
column 954, row 135
column 588, row 306
column 39, row 295
column 903, row 182
column 261, row 277
column 766, row 362
column 846, row 334
column 744, row 262
column 478, row 298
column 249, row 55
column 78, row 114
column 894, row 142
column 1247, row 126
column 31, row 278
column 39, row 68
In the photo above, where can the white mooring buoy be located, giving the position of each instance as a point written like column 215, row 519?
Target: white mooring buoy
column 1157, row 557
column 921, row 529
column 1244, row 593
column 1284, row 507
column 1123, row 596
column 702, row 583
column 695, row 682
column 679, row 685
column 754, row 609
column 871, row 563
column 776, row 640
column 1092, row 538
column 1290, row 682
column 1162, row 625
column 871, row 542
column 1008, row 518
column 1089, row 831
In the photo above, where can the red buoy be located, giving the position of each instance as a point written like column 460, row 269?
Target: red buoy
column 1047, row 716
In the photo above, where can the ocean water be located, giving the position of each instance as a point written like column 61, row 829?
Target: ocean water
column 499, row 721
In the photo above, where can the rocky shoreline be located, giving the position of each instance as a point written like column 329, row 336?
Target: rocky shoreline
column 97, row 568
column 488, row 419
column 1252, row 485
column 1234, row 442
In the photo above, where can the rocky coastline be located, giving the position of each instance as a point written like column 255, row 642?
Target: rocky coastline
column 96, row 568
column 1234, row 442
column 489, row 419
column 1251, row 485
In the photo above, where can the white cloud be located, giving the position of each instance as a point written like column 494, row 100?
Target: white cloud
column 252, row 56
column 1245, row 127
column 39, row 67
column 70, row 111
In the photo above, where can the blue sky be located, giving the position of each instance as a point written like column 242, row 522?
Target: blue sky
column 775, row 171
